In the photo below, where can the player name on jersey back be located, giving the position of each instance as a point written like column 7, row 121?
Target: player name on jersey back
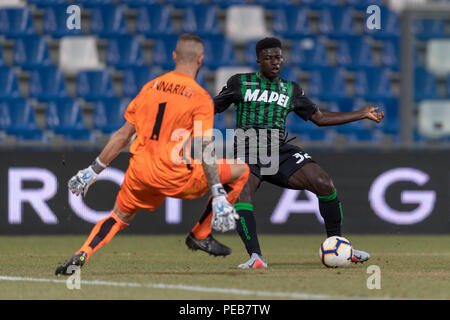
column 173, row 88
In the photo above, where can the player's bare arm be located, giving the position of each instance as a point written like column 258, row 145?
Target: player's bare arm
column 328, row 118
column 80, row 183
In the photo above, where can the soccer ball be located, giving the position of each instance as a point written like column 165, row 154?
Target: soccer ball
column 336, row 252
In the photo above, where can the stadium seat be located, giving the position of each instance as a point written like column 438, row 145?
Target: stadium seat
column 9, row 85
column 94, row 85
column 64, row 117
column 93, row 3
column 78, row 53
column 154, row 21
column 389, row 28
column 291, row 22
column 46, row 3
column 390, row 57
column 434, row 119
column 55, row 21
column 245, row 23
column 200, row 19
column 425, row 29
column 373, row 84
column 12, row 3
column 108, row 20
column 31, row 52
column 327, row 84
column 135, row 78
column 354, row 53
column 219, row 52
column 138, row 3
column 307, row 131
column 183, row 3
column 18, row 119
column 124, row 52
column 16, row 22
column 270, row 4
column 201, row 78
column 290, row 74
column 309, row 54
column 320, row 4
column 47, row 83
column 162, row 52
column 437, row 59
column 109, row 114
column 362, row 4
column 425, row 87
column 227, row 3
column 250, row 54
column 336, row 22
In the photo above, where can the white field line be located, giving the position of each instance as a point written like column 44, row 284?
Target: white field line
column 231, row 291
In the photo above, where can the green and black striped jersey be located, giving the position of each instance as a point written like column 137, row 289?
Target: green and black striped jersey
column 263, row 104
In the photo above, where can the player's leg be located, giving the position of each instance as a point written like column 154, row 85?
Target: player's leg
column 313, row 178
column 233, row 176
column 102, row 233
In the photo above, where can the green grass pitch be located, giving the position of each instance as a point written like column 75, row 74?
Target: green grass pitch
column 161, row 267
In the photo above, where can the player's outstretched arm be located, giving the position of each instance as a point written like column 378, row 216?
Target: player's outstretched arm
column 80, row 183
column 328, row 118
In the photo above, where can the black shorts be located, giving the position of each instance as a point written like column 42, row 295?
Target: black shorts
column 291, row 158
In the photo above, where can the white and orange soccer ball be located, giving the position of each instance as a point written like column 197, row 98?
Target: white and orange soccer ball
column 336, row 252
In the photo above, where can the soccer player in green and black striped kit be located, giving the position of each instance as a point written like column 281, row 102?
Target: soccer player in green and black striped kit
column 262, row 101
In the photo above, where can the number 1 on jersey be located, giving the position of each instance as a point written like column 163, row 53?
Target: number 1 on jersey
column 158, row 121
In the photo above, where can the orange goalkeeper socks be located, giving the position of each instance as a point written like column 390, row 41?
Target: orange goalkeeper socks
column 102, row 233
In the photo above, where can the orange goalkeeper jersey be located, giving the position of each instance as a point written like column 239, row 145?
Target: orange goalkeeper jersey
column 164, row 114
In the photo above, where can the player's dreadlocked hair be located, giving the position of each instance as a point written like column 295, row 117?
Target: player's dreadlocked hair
column 267, row 43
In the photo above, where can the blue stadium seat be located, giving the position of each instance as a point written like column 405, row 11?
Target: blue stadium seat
column 9, row 85
column 108, row 20
column 108, row 114
column 47, row 83
column 391, row 121
column 373, row 84
column 55, row 22
column 46, row 3
column 124, row 52
column 227, row 3
column 94, row 85
column 154, row 21
column 307, row 131
column 426, row 29
column 64, row 116
column 162, row 51
column 219, row 52
column 362, row 4
column 336, row 22
column 201, row 78
column 138, row 3
column 184, row 3
column 31, row 51
column 309, row 54
column 200, row 19
column 389, row 28
column 250, row 54
column 327, row 84
column 2, row 62
column 16, row 22
column 390, row 57
column 290, row 74
column 270, row 4
column 320, row 4
column 291, row 22
column 425, row 86
column 135, row 78
column 93, row 3
column 355, row 53
column 17, row 118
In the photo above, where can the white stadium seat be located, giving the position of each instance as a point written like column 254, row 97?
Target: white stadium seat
column 245, row 23
column 78, row 53
column 438, row 57
column 434, row 118
column 224, row 73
